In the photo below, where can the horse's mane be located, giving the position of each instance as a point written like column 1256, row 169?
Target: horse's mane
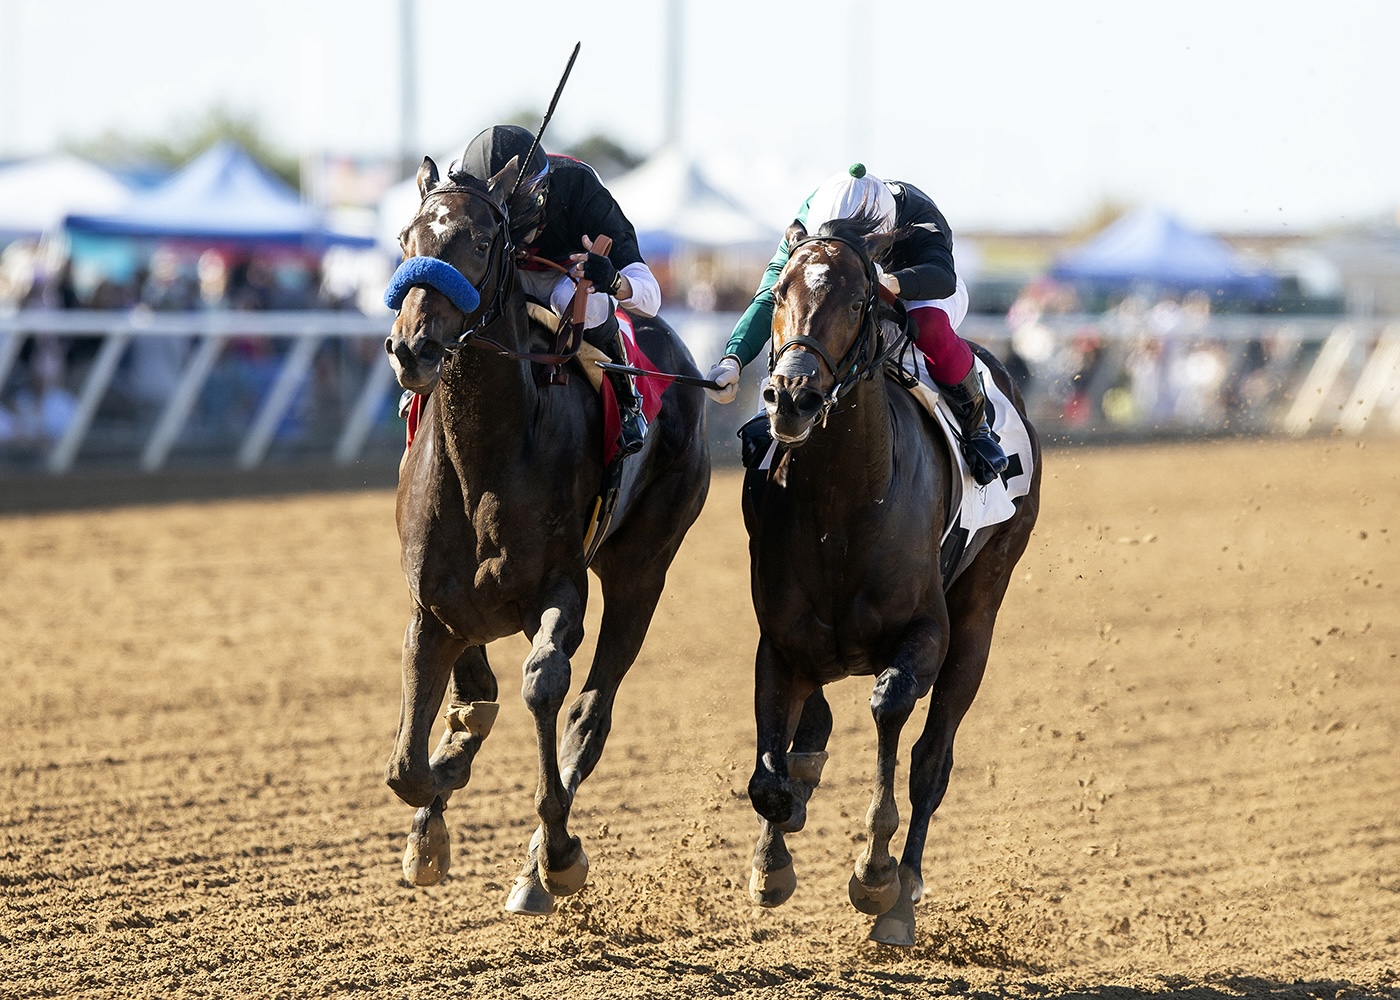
column 457, row 175
column 858, row 229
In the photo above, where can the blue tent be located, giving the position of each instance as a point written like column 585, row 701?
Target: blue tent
column 1150, row 248
column 221, row 195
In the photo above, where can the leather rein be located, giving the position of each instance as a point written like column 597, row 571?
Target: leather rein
column 501, row 265
column 868, row 353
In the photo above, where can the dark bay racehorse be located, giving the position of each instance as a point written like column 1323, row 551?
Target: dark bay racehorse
column 493, row 503
column 844, row 541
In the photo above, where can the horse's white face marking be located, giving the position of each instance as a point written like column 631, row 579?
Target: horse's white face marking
column 815, row 276
column 441, row 223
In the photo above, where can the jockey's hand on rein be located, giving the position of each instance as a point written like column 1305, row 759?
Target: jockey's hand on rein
column 599, row 270
column 726, row 373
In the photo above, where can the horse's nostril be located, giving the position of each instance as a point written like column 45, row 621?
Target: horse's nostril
column 808, row 400
column 388, row 345
column 770, row 395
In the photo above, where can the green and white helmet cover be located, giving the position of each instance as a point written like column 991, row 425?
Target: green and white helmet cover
column 848, row 194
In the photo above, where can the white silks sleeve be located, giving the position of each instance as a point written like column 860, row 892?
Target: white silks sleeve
column 645, row 300
column 646, row 293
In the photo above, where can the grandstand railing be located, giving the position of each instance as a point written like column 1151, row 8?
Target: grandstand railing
column 1083, row 376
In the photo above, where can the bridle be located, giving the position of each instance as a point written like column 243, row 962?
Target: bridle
column 501, row 271
column 868, row 353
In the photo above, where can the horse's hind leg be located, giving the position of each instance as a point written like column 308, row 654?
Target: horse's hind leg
column 773, row 878
column 471, row 712
column 874, row 888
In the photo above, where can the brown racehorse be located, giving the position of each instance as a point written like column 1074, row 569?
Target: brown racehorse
column 844, row 536
column 493, row 504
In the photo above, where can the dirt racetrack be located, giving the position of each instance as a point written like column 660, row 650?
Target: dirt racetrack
column 1182, row 773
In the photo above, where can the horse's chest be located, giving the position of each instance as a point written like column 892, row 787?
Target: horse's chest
column 838, row 602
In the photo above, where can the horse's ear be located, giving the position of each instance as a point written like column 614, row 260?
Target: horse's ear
column 878, row 245
column 795, row 232
column 427, row 176
column 501, row 184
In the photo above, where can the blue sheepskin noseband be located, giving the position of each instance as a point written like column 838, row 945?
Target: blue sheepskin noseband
column 435, row 274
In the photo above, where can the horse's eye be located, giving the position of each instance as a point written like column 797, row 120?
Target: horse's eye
column 481, row 247
column 855, row 306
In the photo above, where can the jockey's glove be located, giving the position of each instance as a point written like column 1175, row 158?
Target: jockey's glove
column 726, row 374
column 599, row 270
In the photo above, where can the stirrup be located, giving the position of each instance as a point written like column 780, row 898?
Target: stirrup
column 633, row 432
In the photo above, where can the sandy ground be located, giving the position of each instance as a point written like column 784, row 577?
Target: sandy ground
column 1182, row 773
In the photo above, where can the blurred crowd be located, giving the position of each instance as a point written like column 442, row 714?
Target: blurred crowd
column 1148, row 363
column 38, row 392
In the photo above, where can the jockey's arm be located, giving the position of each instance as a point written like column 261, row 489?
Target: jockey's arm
column 755, row 327
column 931, row 274
column 638, row 291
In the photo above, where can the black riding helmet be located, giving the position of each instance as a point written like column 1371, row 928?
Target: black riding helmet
column 489, row 152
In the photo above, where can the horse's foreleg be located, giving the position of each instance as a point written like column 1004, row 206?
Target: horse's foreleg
column 556, row 865
column 773, row 878
column 773, row 790
column 874, row 887
column 428, row 652
column 972, row 608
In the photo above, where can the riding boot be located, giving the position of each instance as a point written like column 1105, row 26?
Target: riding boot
column 608, row 338
column 968, row 399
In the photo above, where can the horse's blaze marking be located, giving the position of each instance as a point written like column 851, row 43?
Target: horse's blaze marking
column 441, row 224
column 815, row 275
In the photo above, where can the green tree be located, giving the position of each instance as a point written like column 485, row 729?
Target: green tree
column 186, row 139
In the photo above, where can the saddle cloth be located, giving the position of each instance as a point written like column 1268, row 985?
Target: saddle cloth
column 978, row 507
column 651, row 389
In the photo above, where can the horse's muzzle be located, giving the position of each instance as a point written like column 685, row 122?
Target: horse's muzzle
column 417, row 361
column 793, row 406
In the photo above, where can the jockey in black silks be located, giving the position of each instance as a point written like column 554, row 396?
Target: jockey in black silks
column 559, row 206
column 919, row 271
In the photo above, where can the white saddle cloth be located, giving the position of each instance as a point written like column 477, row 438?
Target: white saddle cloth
column 979, row 507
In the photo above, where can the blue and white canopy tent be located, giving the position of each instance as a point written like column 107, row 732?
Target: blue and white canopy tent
column 1151, row 250
column 222, row 195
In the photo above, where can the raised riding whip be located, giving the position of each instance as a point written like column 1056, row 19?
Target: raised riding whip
column 547, row 116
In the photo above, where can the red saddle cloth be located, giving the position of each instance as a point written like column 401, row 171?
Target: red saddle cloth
column 650, row 389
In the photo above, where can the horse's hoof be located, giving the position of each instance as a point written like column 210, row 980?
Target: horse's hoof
column 894, row 928
column 873, row 899
column 529, row 898
column 770, row 889
column 569, row 879
column 428, row 855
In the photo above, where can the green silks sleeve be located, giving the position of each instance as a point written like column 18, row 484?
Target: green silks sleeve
column 755, row 327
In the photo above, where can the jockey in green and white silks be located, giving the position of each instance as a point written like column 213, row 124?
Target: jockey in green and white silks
column 919, row 270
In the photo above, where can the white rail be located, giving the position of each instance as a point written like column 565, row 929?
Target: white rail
column 1353, row 376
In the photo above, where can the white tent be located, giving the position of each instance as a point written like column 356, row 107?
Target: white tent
column 36, row 195
column 673, row 206
column 670, row 204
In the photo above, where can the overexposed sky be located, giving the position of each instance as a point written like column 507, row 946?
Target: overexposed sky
column 1010, row 113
